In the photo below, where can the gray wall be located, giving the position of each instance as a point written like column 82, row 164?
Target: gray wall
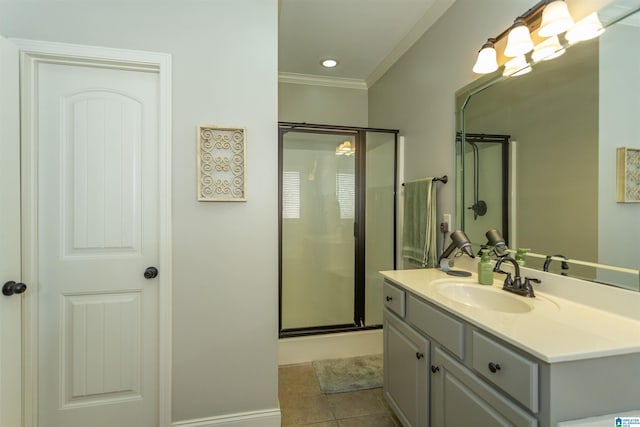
column 322, row 105
column 417, row 94
column 225, row 303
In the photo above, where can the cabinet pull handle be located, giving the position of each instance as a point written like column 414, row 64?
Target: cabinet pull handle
column 419, row 355
column 389, row 298
column 494, row 367
column 434, row 368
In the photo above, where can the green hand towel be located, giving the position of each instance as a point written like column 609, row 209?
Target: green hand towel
column 419, row 224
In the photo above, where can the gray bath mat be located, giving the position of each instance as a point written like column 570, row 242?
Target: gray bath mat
column 350, row 374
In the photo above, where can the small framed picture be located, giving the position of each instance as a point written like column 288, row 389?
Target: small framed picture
column 628, row 175
column 221, row 164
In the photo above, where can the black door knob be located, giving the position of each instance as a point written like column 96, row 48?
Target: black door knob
column 434, row 369
column 11, row 287
column 494, row 367
column 150, row 273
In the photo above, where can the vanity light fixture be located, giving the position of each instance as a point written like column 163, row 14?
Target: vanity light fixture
column 546, row 19
column 519, row 40
column 345, row 149
column 585, row 29
column 547, row 49
column 329, row 63
column 487, row 59
column 556, row 19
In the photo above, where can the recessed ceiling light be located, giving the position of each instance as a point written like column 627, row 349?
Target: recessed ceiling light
column 329, row 63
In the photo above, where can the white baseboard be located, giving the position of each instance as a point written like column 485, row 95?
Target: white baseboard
column 329, row 346
column 268, row 418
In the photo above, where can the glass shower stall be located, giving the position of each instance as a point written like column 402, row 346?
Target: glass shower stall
column 337, row 226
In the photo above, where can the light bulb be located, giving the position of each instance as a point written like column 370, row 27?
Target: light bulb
column 548, row 49
column 585, row 29
column 556, row 19
column 516, row 67
column 519, row 40
column 329, row 63
column 486, row 62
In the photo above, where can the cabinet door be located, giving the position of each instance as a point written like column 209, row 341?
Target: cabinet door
column 461, row 399
column 406, row 357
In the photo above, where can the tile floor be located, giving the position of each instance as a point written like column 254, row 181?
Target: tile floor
column 302, row 403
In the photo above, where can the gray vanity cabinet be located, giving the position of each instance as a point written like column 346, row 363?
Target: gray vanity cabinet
column 443, row 371
column 426, row 379
column 406, row 359
column 459, row 398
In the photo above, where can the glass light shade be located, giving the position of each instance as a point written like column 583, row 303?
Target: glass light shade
column 519, row 40
column 556, row 19
column 516, row 67
column 487, row 61
column 547, row 49
column 345, row 148
column 585, row 29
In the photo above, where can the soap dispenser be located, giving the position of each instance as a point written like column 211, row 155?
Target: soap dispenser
column 485, row 268
column 520, row 255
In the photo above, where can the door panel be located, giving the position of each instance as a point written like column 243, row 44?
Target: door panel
column 98, row 231
column 101, row 177
column 10, row 306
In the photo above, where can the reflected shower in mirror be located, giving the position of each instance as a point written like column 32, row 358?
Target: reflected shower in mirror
column 565, row 120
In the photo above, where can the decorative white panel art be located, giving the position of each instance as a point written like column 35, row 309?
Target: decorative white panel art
column 101, row 353
column 101, row 173
column 628, row 175
column 221, row 164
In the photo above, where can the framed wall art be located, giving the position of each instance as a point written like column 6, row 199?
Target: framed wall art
column 221, row 164
column 628, row 175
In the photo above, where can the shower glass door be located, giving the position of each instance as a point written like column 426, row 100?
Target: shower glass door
column 318, row 207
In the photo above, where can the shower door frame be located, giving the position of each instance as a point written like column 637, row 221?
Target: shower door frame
column 481, row 138
column 360, row 135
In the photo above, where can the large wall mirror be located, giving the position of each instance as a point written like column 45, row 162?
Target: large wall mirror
column 536, row 155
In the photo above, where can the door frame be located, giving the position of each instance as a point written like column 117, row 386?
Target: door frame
column 360, row 138
column 33, row 53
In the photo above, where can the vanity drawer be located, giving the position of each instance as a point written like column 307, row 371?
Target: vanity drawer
column 393, row 299
column 440, row 326
column 508, row 370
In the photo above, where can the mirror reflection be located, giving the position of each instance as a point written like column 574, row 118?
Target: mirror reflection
column 539, row 160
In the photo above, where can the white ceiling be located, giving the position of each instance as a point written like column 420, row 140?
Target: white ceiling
column 365, row 36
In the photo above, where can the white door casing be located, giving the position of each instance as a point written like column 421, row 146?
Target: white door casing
column 89, row 236
column 10, row 306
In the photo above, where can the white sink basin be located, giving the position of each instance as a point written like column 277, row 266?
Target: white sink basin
column 479, row 296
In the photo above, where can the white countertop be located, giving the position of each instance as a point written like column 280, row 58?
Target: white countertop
column 555, row 330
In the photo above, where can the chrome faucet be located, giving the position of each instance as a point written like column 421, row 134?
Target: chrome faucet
column 515, row 285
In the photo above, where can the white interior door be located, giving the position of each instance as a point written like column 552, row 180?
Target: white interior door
column 98, row 204
column 10, row 305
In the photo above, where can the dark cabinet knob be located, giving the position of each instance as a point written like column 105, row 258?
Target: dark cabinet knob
column 494, row 367
column 150, row 273
column 435, row 369
column 11, row 287
column 419, row 355
column 389, row 298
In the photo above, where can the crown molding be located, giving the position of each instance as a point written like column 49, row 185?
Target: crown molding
column 315, row 80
